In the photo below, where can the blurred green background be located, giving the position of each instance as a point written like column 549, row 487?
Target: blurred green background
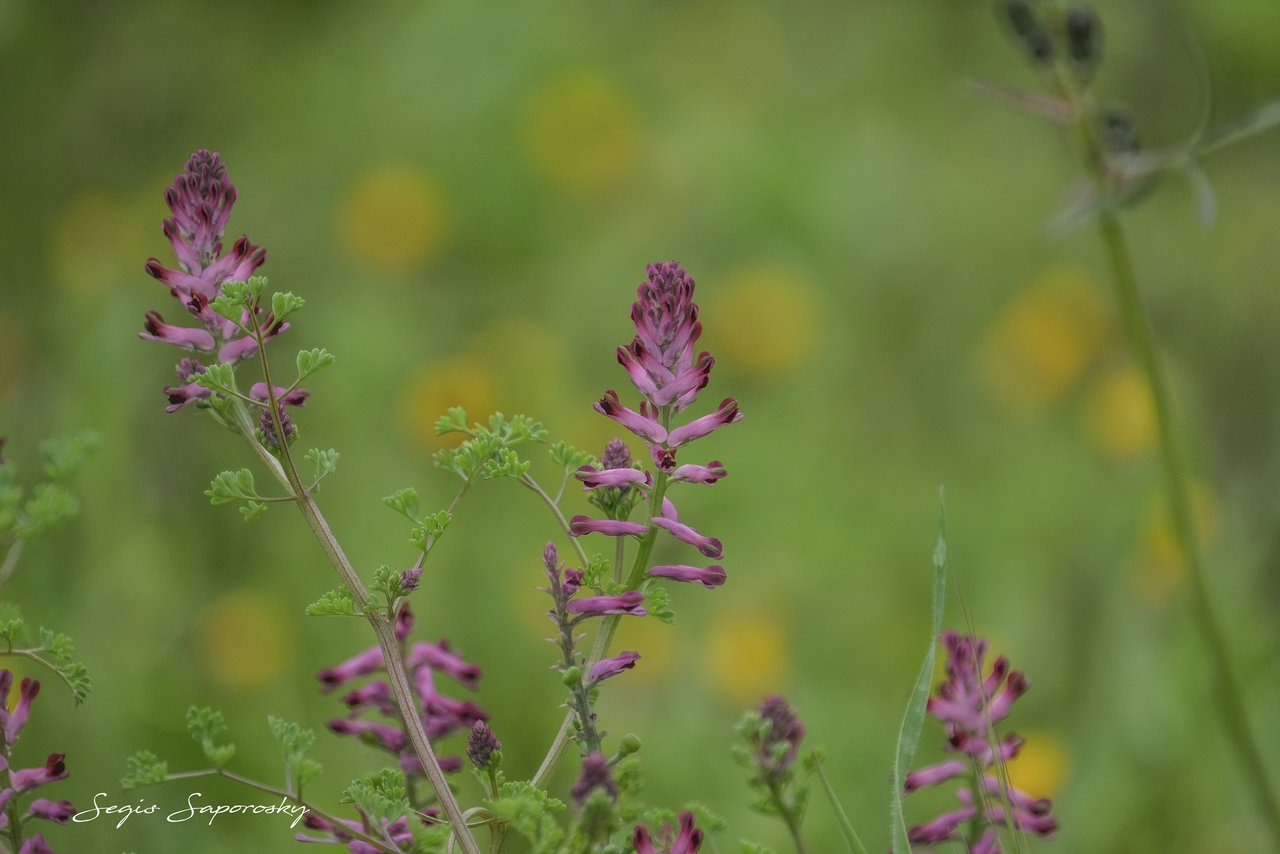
column 466, row 195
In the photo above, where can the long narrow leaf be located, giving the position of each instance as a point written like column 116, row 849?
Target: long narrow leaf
column 913, row 719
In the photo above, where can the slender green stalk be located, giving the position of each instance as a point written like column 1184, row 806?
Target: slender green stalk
column 383, row 627
column 790, row 816
column 846, row 827
column 1133, row 317
column 554, row 506
column 282, row 793
column 11, row 560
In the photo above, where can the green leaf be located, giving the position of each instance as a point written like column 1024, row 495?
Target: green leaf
column 12, row 626
column 62, row 655
column 658, row 603
column 231, row 486
column 387, row 583
column 323, row 463
column 310, row 361
column 428, row 532
column 49, row 504
column 453, row 421
column 253, row 510
column 505, row 463
column 143, row 768
column 335, row 603
column 285, row 304
column 379, row 796
column 208, row 728
column 531, row 812
column 64, row 457
column 295, row 742
column 570, row 459
column 404, row 502
column 913, row 718
column 218, row 377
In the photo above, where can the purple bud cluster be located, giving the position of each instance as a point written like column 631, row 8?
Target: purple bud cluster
column 441, row 714
column 13, row 717
column 970, row 705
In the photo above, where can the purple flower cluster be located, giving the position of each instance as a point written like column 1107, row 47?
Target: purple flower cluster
column 661, row 364
column 441, row 715
column 13, row 717
column 786, row 729
column 200, row 199
column 398, row 832
column 687, row 841
column 970, row 705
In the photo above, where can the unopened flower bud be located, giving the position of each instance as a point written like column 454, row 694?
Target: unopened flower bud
column 481, row 744
column 1028, row 30
column 1084, row 39
column 572, row 677
column 630, row 744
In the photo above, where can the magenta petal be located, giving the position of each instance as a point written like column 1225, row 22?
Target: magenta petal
column 726, row 413
column 609, row 667
column 709, row 577
column 580, row 525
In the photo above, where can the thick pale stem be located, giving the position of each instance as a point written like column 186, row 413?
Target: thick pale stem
column 382, row 627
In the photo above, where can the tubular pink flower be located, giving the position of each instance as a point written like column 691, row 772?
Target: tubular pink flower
column 54, row 769
column 708, row 474
column 726, row 413
column 642, row 425
column 179, row 336
column 669, row 521
column 688, row 841
column 602, row 606
column 709, row 577
column 363, row 664
column 180, row 396
column 18, row 717
column 387, row 736
column 593, row 478
column 941, row 828
column 376, row 694
column 609, row 667
column 581, row 525
column 58, row 812
column 296, row 397
column 438, row 657
column 934, row 774
column 35, row 845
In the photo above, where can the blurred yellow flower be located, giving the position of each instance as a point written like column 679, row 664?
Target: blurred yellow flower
column 1160, row 570
column 1040, row 768
column 768, row 320
column 460, row 381
column 97, row 240
column 1119, row 417
column 746, row 655
column 1042, row 342
column 394, row 219
column 581, row 133
column 527, row 359
column 245, row 640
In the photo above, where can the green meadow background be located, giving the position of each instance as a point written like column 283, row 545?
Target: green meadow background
column 467, row 193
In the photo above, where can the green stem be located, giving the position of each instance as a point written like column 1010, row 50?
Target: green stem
column 383, row 628
column 604, row 636
column 11, row 560
column 846, row 827
column 554, row 507
column 36, row 657
column 790, row 816
column 280, row 793
column 1229, row 694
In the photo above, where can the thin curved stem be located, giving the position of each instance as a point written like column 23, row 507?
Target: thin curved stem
column 846, row 827
column 281, row 793
column 382, row 626
column 554, row 507
column 1133, row 316
column 11, row 560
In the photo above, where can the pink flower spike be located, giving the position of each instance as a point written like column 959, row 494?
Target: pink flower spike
column 643, row 426
column 709, row 577
column 593, row 478
column 603, row 606
column 609, row 667
column 726, row 413
column 581, row 525
column 708, row 474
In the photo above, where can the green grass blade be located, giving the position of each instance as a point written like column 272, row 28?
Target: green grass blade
column 913, row 719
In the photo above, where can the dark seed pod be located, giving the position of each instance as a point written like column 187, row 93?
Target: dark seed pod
column 1028, row 29
column 1118, row 132
column 1084, row 39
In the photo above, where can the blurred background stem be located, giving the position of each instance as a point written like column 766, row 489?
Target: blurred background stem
column 1137, row 330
